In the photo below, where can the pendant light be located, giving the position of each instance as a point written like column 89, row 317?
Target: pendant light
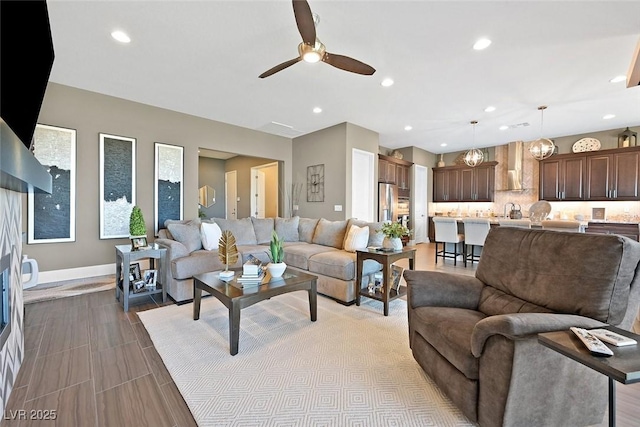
column 542, row 148
column 474, row 156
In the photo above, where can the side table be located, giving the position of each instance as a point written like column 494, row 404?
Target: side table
column 386, row 259
column 623, row 366
column 124, row 257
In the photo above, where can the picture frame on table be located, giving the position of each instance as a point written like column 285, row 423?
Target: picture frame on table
column 139, row 286
column 138, row 242
column 149, row 278
column 396, row 275
column 134, row 272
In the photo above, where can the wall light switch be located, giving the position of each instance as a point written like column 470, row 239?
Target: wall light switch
column 337, row 208
column 238, row 199
column 296, row 207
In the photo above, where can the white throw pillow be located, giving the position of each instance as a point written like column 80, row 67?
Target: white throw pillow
column 357, row 238
column 210, row 234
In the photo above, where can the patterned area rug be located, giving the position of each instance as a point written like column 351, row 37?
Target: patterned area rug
column 352, row 367
column 70, row 288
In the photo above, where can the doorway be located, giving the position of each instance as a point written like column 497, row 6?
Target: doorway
column 231, row 194
column 419, row 218
column 264, row 190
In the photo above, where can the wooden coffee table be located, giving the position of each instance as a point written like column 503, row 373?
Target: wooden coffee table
column 235, row 299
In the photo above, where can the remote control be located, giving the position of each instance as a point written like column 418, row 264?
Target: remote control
column 595, row 346
column 612, row 337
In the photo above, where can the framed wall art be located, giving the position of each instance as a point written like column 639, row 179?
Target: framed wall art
column 169, row 191
column 117, row 185
column 315, row 183
column 52, row 217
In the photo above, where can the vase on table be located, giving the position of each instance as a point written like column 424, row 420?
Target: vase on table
column 392, row 243
column 276, row 269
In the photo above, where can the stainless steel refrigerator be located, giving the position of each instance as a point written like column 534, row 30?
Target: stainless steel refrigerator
column 387, row 202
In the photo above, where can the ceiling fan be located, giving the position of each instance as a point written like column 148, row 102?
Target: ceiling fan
column 312, row 50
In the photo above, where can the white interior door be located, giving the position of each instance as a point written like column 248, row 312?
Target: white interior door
column 231, row 191
column 258, row 193
column 419, row 189
column 363, row 195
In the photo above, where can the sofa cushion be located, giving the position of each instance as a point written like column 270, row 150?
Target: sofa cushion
column 572, row 273
column 449, row 330
column 195, row 222
column 210, row 234
column 493, row 302
column 340, row 265
column 306, row 229
column 356, row 238
column 330, row 233
column 287, row 228
column 187, row 234
column 197, row 262
column 298, row 255
column 242, row 230
column 263, row 228
column 375, row 230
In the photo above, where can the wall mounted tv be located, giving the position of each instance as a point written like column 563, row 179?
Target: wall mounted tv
column 26, row 58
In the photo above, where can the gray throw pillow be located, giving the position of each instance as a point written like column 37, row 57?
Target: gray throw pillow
column 287, row 228
column 262, row 227
column 242, row 230
column 195, row 222
column 306, row 229
column 187, row 234
column 330, row 233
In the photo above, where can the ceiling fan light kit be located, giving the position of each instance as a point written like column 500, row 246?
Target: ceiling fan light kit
column 474, row 156
column 313, row 50
column 542, row 148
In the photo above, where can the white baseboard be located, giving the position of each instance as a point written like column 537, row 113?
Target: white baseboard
column 76, row 273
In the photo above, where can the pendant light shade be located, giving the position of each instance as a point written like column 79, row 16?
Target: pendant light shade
column 542, row 148
column 474, row 156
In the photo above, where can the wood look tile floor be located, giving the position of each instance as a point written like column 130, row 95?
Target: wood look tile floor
column 95, row 365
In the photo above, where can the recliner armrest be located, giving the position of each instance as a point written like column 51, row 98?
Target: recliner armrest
column 438, row 289
column 523, row 325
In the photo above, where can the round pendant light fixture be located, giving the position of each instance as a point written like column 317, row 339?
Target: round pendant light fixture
column 474, row 156
column 542, row 148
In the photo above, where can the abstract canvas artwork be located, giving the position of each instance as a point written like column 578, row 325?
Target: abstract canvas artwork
column 168, row 183
column 52, row 217
column 117, row 184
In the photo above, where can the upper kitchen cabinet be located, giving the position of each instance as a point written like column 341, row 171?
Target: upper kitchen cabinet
column 562, row 178
column 464, row 184
column 386, row 171
column 394, row 171
column 613, row 176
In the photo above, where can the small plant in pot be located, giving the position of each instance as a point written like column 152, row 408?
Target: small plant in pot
column 277, row 266
column 137, row 229
column 393, row 232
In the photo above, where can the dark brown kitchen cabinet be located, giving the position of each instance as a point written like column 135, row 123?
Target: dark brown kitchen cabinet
column 464, row 184
column 386, row 171
column 402, row 177
column 630, row 230
column 562, row 178
column 614, row 176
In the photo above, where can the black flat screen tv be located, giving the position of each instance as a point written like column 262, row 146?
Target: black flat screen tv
column 26, row 58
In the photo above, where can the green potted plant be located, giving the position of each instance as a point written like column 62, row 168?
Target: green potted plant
column 277, row 266
column 393, row 232
column 137, row 229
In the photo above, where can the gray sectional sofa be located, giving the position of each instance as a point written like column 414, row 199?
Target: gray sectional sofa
column 315, row 246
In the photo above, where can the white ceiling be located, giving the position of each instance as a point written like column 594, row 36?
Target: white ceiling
column 204, row 57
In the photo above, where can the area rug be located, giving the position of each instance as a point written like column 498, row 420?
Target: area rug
column 352, row 367
column 69, row 288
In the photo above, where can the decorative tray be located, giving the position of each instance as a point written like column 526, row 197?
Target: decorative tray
column 586, row 144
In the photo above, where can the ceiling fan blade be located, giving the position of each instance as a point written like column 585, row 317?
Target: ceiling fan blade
column 279, row 68
column 304, row 19
column 348, row 64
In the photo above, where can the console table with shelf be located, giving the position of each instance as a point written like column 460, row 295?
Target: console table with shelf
column 125, row 256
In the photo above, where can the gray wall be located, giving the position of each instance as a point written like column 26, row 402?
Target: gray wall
column 211, row 173
column 91, row 113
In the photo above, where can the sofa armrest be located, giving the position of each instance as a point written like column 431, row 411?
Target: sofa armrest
column 437, row 289
column 524, row 325
column 176, row 249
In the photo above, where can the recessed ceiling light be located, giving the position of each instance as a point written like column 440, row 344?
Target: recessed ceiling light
column 608, row 116
column 407, row 127
column 121, row 36
column 444, row 144
column 317, row 110
column 387, row 82
column 503, row 127
column 481, row 44
column 490, row 109
column 618, row 79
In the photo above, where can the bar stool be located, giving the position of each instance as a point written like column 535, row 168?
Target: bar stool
column 447, row 232
column 475, row 233
column 555, row 225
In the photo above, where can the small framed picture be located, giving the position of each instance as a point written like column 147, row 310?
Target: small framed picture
column 138, row 243
column 134, row 272
column 149, row 278
column 598, row 214
column 139, row 286
column 396, row 275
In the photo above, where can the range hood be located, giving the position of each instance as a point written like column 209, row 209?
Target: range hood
column 514, row 166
